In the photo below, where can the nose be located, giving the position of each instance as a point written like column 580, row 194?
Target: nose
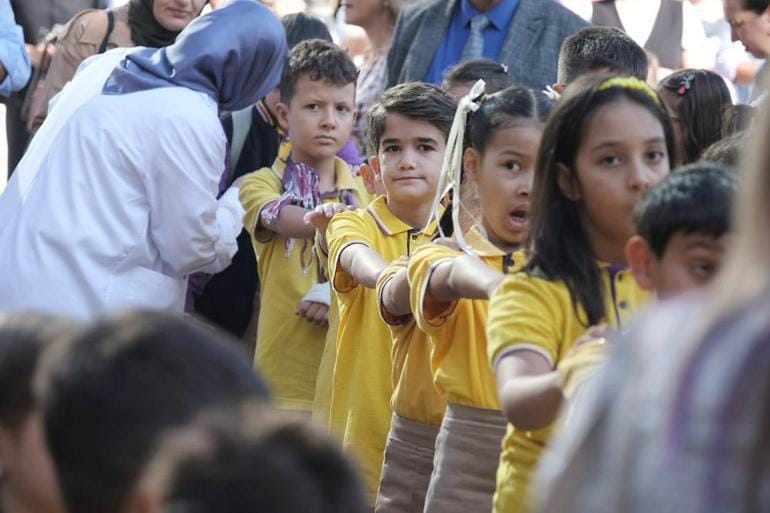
column 408, row 160
column 524, row 185
column 641, row 176
column 328, row 119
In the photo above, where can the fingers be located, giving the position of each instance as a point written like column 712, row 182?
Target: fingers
column 303, row 307
column 315, row 313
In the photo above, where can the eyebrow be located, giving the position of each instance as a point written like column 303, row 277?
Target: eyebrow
column 706, row 244
column 394, row 140
column 606, row 144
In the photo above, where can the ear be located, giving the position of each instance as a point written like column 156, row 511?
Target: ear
column 471, row 163
column 282, row 116
column 567, row 183
column 368, row 176
column 559, row 88
column 640, row 259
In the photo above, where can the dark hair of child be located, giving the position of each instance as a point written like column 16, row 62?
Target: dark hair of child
column 252, row 461
column 300, row 27
column 600, row 49
column 318, row 60
column 109, row 393
column 727, row 152
column 694, row 199
column 414, row 100
column 756, row 6
column 737, row 118
column 469, row 72
column 557, row 238
column 499, row 111
column 23, row 338
column 701, row 99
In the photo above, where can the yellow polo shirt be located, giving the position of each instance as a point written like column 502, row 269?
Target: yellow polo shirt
column 414, row 396
column 288, row 347
column 458, row 336
column 527, row 312
column 360, row 408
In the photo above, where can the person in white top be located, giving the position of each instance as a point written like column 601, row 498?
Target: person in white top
column 115, row 202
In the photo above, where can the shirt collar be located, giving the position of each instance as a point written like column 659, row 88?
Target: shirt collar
column 387, row 221
column 499, row 15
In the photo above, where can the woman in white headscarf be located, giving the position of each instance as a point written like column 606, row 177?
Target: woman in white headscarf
column 115, row 202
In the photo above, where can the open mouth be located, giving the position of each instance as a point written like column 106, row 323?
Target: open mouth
column 518, row 219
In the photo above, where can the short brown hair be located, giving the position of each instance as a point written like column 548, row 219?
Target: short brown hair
column 319, row 60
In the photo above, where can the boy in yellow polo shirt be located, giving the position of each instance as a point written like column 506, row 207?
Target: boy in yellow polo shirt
column 316, row 111
column 408, row 129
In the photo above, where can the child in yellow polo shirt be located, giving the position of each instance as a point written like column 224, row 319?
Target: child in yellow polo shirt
column 408, row 128
column 593, row 168
column 448, row 292
column 316, row 111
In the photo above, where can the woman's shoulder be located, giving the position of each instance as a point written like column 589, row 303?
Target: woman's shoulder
column 91, row 26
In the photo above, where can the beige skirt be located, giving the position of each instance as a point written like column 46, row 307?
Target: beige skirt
column 465, row 466
column 407, row 466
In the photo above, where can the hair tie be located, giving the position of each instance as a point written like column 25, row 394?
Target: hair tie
column 451, row 168
column 685, row 84
column 630, row 83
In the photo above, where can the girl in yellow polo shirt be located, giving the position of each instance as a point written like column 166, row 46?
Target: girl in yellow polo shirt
column 449, row 291
column 606, row 143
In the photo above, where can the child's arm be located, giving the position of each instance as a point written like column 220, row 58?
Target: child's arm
column 319, row 218
column 466, row 276
column 362, row 263
column 290, row 222
column 530, row 390
column 395, row 295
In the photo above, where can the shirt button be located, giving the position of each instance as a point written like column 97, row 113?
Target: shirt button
column 623, row 305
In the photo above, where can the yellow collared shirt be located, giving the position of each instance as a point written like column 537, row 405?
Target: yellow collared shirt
column 360, row 410
column 527, row 312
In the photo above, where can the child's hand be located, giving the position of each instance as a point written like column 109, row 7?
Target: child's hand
column 599, row 334
column 322, row 214
column 315, row 313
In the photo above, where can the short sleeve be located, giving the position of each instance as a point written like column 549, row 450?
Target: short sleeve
column 524, row 314
column 420, row 270
column 344, row 230
column 385, row 276
column 257, row 191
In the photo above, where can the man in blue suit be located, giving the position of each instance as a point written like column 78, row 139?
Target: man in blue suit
column 525, row 35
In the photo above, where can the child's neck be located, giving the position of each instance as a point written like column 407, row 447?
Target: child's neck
column 325, row 168
column 504, row 246
column 416, row 216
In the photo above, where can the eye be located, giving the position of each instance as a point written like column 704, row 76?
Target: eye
column 702, row 269
column 610, row 160
column 425, row 147
column 343, row 108
column 512, row 165
column 655, row 155
column 391, row 148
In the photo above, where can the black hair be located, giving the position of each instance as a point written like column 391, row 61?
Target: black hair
column 301, row 27
column 469, row 72
column 253, row 461
column 109, row 393
column 756, row 6
column 701, row 99
column 496, row 111
column 318, row 60
column 727, row 152
column 556, row 236
column 414, row 100
column 602, row 49
column 694, row 199
column 737, row 118
column 23, row 338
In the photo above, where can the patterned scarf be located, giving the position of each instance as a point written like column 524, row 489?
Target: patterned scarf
column 300, row 188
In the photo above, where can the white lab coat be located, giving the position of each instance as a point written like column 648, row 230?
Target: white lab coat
column 114, row 203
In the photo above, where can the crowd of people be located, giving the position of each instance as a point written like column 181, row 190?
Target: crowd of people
column 509, row 257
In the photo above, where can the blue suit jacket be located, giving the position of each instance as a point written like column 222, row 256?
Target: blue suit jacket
column 531, row 47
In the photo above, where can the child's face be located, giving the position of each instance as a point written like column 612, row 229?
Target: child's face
column 689, row 261
column 318, row 119
column 29, row 482
column 503, row 174
column 409, row 159
column 622, row 154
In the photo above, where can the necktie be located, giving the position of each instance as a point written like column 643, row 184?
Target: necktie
column 474, row 47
